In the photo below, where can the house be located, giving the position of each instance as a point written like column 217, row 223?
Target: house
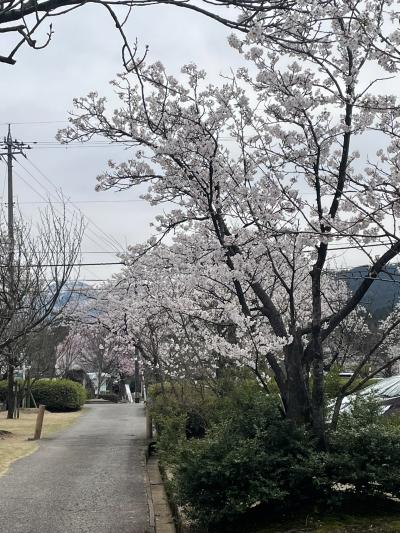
column 94, row 378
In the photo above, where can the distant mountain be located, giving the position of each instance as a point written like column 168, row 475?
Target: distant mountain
column 72, row 292
column 383, row 294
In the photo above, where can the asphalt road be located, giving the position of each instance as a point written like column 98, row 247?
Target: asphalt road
column 88, row 479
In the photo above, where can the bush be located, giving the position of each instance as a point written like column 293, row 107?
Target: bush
column 365, row 450
column 250, row 456
column 109, row 396
column 253, row 457
column 59, row 395
column 188, row 409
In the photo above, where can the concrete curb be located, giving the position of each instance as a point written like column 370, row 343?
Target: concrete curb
column 160, row 515
column 150, row 504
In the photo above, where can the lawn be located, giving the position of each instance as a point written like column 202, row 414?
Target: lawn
column 17, row 445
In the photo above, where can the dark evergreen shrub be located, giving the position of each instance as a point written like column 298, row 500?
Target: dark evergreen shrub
column 59, row 394
column 250, row 456
column 253, row 457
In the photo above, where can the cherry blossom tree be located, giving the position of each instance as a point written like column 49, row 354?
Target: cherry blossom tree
column 267, row 174
column 87, row 348
column 68, row 352
column 94, row 342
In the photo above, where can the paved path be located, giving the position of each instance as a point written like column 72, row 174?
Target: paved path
column 88, row 479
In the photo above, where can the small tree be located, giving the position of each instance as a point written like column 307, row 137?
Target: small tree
column 43, row 260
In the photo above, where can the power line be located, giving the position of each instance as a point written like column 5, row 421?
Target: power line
column 83, row 202
column 96, row 240
column 44, row 265
column 35, row 122
column 109, row 237
column 72, row 146
column 375, row 279
column 98, row 252
column 359, row 246
column 80, row 143
column 98, row 235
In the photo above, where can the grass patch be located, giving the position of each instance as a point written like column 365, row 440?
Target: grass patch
column 17, row 445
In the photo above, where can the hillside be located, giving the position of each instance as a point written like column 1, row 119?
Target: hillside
column 384, row 292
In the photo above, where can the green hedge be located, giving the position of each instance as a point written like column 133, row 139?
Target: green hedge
column 59, row 395
column 248, row 457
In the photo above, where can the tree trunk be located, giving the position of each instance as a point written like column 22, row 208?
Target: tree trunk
column 99, row 382
column 10, row 391
column 336, row 411
column 297, row 397
column 121, row 389
column 318, row 399
column 318, row 395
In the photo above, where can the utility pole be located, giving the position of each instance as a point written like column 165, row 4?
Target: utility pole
column 13, row 148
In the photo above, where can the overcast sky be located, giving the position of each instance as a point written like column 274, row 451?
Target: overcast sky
column 84, row 55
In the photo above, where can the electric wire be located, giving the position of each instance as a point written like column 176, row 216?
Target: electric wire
column 85, row 202
column 99, row 234
column 94, row 239
column 107, row 235
column 34, row 122
column 48, row 265
column 59, row 194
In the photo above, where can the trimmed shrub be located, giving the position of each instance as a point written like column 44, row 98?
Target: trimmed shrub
column 59, row 395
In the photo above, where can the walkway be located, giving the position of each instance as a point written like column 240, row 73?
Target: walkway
column 89, row 479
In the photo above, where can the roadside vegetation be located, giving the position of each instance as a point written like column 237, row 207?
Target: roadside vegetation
column 233, row 463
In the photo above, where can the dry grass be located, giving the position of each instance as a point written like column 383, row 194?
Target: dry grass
column 16, row 446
